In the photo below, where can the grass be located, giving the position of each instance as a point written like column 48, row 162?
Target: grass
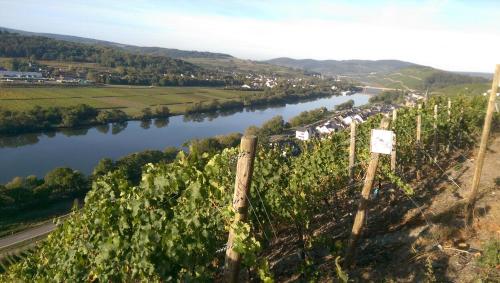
column 130, row 99
column 464, row 89
column 235, row 64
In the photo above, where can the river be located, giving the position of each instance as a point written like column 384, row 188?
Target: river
column 81, row 149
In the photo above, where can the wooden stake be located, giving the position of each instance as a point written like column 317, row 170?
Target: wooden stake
column 359, row 220
column 352, row 151
column 435, row 146
column 419, row 134
column 460, row 123
column 449, row 120
column 244, row 170
column 393, row 153
column 482, row 148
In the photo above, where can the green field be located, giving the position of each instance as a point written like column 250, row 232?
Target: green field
column 129, row 99
column 240, row 65
column 464, row 89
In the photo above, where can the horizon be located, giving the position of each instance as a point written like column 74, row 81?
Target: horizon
column 432, row 33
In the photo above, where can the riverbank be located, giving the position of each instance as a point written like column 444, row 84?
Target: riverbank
column 42, row 117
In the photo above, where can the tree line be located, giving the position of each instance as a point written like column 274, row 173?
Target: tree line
column 38, row 118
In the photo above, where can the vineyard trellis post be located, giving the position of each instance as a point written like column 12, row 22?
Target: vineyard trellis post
column 435, row 127
column 394, row 153
column 449, row 120
column 419, row 135
column 482, row 147
column 244, row 171
column 460, row 123
column 352, row 151
column 359, row 220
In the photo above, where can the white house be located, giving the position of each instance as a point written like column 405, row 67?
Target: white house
column 304, row 134
column 358, row 118
column 21, row 75
column 324, row 129
column 347, row 120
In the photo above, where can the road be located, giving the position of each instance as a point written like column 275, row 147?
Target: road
column 27, row 235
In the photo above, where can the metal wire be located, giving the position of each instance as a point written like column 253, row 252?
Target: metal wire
column 267, row 215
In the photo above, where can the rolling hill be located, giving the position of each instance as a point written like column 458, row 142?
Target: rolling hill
column 385, row 73
column 154, row 51
column 343, row 67
column 207, row 60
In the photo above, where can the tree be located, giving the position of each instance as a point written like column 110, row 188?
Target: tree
column 65, row 181
column 162, row 111
column 104, row 166
column 146, row 114
column 346, row 105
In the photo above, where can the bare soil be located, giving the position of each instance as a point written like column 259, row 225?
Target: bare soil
column 422, row 238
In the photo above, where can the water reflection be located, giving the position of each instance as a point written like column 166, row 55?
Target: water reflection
column 20, row 140
column 74, row 132
column 118, row 127
column 103, row 129
column 146, row 124
column 161, row 122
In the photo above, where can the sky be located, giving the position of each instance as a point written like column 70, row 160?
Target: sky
column 447, row 34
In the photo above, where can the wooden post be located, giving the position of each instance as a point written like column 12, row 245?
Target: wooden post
column 460, row 123
column 482, row 148
column 419, row 134
column 352, row 152
column 393, row 153
column 449, row 120
column 359, row 220
column 244, row 170
column 435, row 146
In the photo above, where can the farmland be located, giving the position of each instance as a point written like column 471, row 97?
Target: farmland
column 129, row 99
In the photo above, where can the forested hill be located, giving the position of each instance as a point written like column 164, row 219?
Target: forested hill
column 43, row 48
column 154, row 51
column 342, row 67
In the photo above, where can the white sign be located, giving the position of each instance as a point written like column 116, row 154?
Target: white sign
column 381, row 141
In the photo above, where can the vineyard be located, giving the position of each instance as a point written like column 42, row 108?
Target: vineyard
column 174, row 226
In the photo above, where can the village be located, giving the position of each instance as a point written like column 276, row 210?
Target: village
column 340, row 121
column 343, row 119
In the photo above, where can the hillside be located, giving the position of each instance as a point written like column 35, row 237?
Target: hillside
column 420, row 78
column 240, row 65
column 154, row 51
column 386, row 73
column 43, row 48
column 174, row 224
column 342, row 67
column 216, row 62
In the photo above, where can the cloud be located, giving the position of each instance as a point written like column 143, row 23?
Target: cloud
column 390, row 37
column 451, row 35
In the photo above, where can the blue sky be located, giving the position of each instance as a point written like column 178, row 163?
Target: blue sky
column 447, row 34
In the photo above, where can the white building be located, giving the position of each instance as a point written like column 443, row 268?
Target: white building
column 347, row 120
column 324, row 130
column 304, row 134
column 21, row 75
column 358, row 118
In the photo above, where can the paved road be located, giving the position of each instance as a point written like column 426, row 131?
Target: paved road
column 26, row 235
